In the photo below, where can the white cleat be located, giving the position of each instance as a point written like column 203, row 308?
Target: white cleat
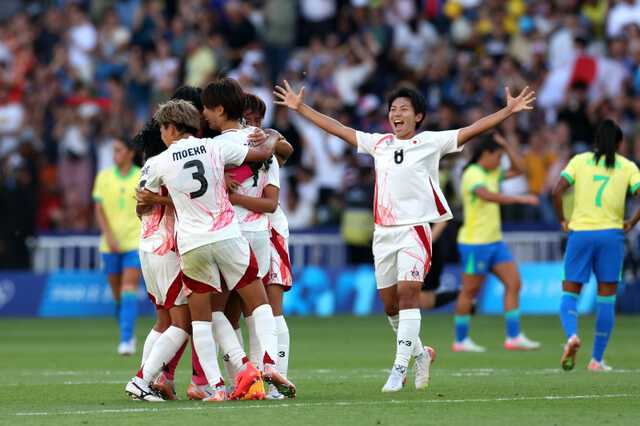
column 467, row 345
column 215, row 394
column 421, row 367
column 273, row 394
column 127, row 348
column 521, row 343
column 598, row 367
column 396, row 380
column 139, row 390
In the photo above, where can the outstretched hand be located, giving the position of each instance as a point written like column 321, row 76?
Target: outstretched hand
column 524, row 101
column 287, row 97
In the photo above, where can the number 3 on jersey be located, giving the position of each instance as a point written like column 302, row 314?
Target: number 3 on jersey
column 199, row 176
column 603, row 185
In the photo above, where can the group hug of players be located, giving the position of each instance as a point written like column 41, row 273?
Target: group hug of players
column 213, row 246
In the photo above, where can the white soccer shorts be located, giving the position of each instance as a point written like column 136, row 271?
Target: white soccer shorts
column 259, row 242
column 232, row 260
column 280, row 265
column 163, row 279
column 401, row 253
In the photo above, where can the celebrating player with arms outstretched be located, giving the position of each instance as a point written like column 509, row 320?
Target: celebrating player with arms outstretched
column 407, row 198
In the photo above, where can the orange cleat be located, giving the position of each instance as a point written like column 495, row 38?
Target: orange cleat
column 284, row 386
column 196, row 392
column 568, row 359
column 256, row 392
column 244, row 380
column 164, row 387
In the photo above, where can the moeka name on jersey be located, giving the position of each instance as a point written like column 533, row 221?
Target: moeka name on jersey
column 179, row 155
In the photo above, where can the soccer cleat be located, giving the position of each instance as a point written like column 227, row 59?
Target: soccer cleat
column 139, row 390
column 127, row 348
column 256, row 392
column 396, row 380
column 598, row 367
column 244, row 379
column 284, row 386
column 568, row 360
column 520, row 343
column 215, row 394
column 467, row 345
column 273, row 394
column 421, row 367
column 196, row 392
column 164, row 387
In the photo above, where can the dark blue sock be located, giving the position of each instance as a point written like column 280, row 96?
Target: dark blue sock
column 569, row 313
column 512, row 323
column 128, row 314
column 605, row 318
column 462, row 326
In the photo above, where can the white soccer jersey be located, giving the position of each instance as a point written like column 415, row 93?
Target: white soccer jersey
column 251, row 221
column 157, row 234
column 192, row 169
column 279, row 222
column 407, row 189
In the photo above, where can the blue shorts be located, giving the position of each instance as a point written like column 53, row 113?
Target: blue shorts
column 599, row 251
column 114, row 263
column 479, row 259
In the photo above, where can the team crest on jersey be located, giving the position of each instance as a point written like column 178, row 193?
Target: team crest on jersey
column 415, row 273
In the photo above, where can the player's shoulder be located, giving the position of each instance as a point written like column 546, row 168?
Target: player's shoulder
column 106, row 173
column 626, row 164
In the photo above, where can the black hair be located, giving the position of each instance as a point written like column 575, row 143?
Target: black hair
column 486, row 144
column 417, row 101
column 191, row 94
column 225, row 92
column 607, row 141
column 254, row 104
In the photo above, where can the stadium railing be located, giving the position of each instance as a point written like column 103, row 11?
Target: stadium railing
column 80, row 252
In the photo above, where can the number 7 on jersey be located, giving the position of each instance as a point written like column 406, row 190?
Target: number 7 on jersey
column 603, row 185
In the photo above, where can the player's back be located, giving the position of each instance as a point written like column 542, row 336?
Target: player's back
column 192, row 169
column 600, row 192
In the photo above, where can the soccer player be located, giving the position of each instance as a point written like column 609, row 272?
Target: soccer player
column 254, row 197
column 480, row 243
column 601, row 179
column 278, row 279
column 115, row 210
column 407, row 198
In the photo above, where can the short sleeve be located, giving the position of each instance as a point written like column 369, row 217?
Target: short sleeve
column 634, row 179
column 98, row 188
column 233, row 154
column 150, row 176
column 367, row 141
column 273, row 174
column 569, row 172
column 474, row 179
column 446, row 140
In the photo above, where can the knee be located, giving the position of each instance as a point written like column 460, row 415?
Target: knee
column 408, row 297
column 515, row 286
column 391, row 309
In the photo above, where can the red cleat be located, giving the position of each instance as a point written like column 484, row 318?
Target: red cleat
column 244, row 380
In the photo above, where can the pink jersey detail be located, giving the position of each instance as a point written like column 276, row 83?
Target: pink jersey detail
column 240, row 174
column 383, row 206
column 384, row 139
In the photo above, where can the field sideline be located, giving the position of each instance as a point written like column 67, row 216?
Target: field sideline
column 67, row 372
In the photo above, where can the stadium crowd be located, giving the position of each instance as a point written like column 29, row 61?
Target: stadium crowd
column 76, row 75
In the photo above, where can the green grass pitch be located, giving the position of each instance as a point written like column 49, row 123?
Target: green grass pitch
column 67, row 372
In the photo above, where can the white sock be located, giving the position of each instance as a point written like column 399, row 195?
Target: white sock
column 408, row 335
column 265, row 327
column 282, row 332
column 163, row 350
column 238, row 332
column 394, row 321
column 206, row 347
column 148, row 344
column 255, row 348
column 227, row 341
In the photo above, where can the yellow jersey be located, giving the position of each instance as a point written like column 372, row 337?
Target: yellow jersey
column 482, row 221
column 116, row 194
column 600, row 193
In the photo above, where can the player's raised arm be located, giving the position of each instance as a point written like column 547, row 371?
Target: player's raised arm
column 518, row 166
column 287, row 97
column 523, row 102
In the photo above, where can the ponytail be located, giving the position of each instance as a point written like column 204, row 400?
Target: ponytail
column 607, row 140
